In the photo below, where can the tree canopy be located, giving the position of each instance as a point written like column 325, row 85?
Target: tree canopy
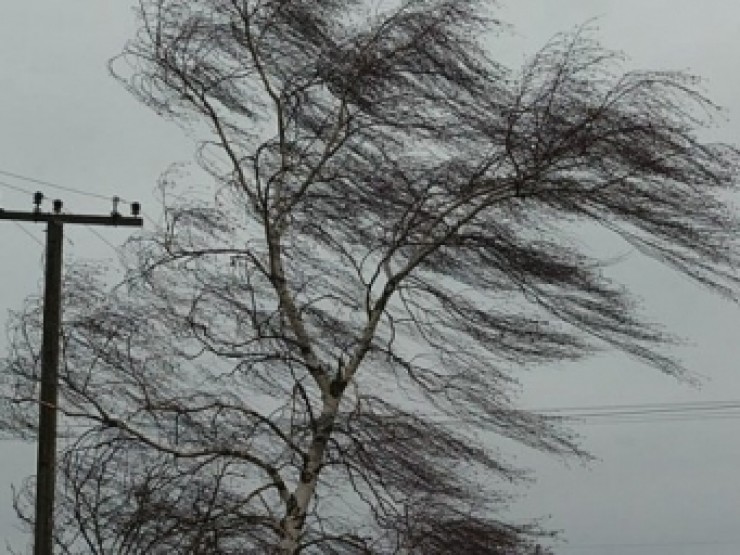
column 300, row 363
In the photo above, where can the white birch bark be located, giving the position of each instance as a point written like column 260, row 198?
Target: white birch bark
column 300, row 499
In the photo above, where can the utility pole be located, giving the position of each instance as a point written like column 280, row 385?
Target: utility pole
column 47, row 434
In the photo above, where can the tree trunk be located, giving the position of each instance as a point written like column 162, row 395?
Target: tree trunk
column 292, row 524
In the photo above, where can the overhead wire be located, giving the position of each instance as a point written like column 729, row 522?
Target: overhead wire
column 18, row 189
column 616, row 414
column 56, row 185
column 681, row 417
column 103, row 239
column 31, row 235
column 640, row 545
column 14, row 188
column 642, row 406
column 18, row 224
column 654, row 420
column 653, row 412
column 61, row 187
column 99, row 235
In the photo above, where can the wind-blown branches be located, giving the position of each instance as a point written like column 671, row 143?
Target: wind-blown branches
column 391, row 244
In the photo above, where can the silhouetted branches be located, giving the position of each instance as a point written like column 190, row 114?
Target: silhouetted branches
column 300, row 364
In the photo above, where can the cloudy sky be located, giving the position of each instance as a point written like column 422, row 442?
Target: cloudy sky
column 658, row 486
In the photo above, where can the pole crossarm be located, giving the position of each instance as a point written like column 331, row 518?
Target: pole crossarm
column 86, row 219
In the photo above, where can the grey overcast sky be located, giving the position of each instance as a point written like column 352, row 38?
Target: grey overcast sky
column 657, row 486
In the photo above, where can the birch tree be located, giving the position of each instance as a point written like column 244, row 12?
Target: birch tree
column 304, row 361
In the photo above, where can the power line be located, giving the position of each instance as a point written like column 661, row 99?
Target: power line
column 95, row 232
column 56, row 186
column 104, row 240
column 655, row 420
column 60, row 187
column 638, row 406
column 645, row 413
column 617, row 419
column 638, row 414
column 661, row 545
column 15, row 188
column 36, row 240
column 31, row 235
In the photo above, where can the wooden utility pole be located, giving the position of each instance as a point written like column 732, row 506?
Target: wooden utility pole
column 47, row 434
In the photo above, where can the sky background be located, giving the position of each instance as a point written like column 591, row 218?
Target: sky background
column 656, row 487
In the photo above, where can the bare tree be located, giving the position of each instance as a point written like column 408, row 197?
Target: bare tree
column 301, row 364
